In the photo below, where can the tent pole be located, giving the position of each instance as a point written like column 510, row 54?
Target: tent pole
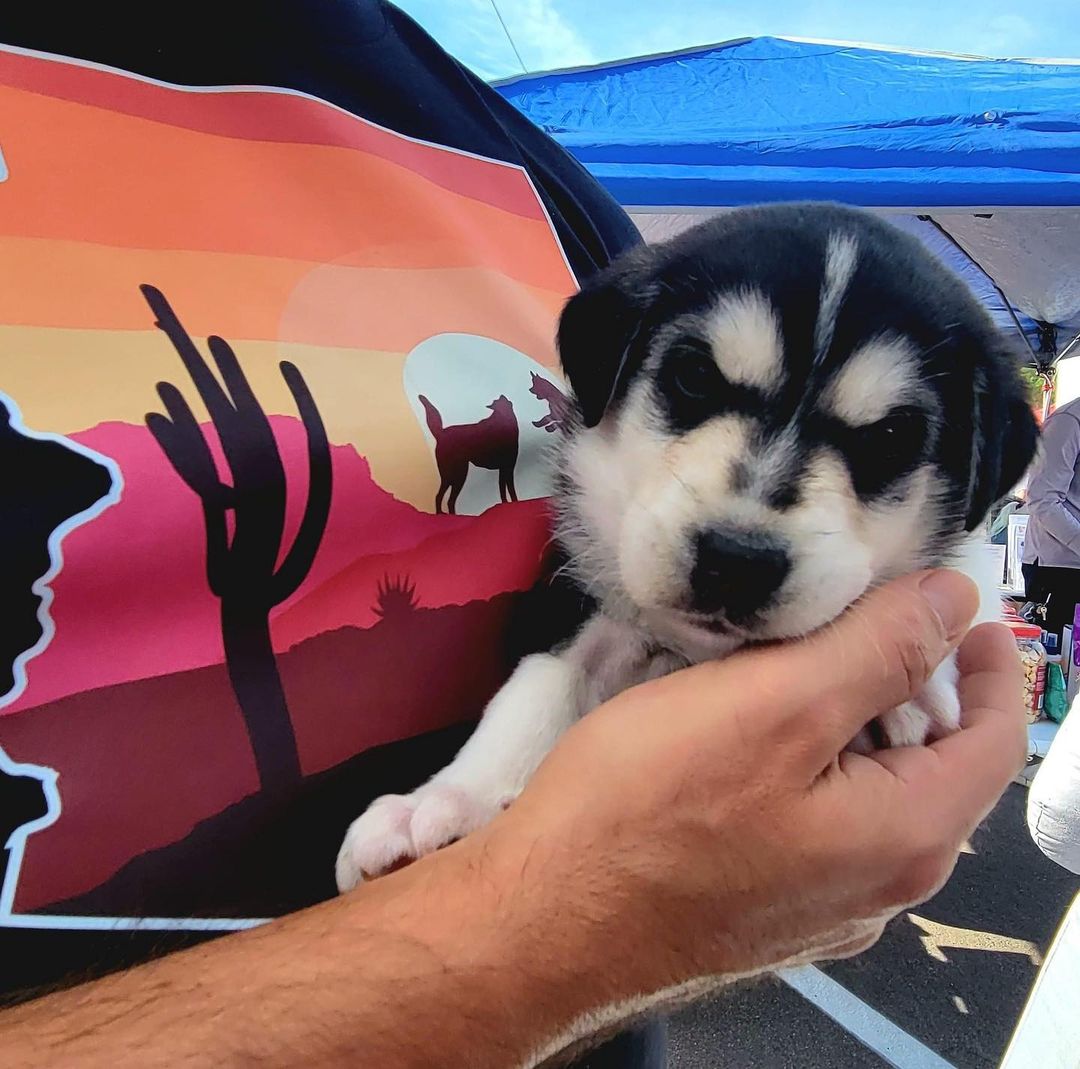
column 1068, row 349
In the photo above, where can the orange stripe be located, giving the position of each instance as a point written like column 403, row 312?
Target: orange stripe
column 93, row 287
column 87, row 174
column 266, row 115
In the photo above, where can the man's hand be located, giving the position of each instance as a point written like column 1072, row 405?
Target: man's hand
column 710, row 822
column 705, row 824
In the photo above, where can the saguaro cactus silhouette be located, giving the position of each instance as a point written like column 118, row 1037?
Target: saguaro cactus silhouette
column 243, row 570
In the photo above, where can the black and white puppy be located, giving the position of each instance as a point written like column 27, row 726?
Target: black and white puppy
column 775, row 412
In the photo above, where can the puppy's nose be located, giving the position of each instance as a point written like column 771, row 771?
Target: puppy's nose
column 736, row 572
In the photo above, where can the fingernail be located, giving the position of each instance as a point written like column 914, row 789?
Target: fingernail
column 954, row 597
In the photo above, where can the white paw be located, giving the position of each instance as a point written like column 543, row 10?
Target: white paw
column 396, row 829
column 932, row 714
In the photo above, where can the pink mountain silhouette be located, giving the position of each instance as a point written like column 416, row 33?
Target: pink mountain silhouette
column 177, row 751
column 132, row 601
column 499, row 551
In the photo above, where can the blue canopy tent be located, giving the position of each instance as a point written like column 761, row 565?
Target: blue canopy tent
column 980, row 158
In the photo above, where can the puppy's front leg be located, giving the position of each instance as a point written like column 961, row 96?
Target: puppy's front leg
column 520, row 725
column 932, row 713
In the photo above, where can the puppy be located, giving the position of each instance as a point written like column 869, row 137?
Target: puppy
column 772, row 413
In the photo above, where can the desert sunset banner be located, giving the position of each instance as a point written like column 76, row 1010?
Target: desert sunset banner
column 188, row 269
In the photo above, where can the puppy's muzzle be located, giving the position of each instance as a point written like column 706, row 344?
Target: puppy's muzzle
column 736, row 573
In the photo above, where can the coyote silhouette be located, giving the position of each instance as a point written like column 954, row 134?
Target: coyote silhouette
column 491, row 443
column 543, row 390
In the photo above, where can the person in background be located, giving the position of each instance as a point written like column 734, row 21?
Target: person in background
column 1053, row 808
column 1052, row 575
column 1052, row 544
column 998, row 534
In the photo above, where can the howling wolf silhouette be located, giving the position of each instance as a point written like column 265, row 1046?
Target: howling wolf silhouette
column 491, row 443
column 543, row 390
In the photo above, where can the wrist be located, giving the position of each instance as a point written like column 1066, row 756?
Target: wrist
column 492, row 941
column 577, row 938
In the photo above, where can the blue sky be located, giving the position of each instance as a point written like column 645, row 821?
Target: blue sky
column 560, row 33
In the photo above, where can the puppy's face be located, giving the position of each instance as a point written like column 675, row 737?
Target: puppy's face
column 780, row 408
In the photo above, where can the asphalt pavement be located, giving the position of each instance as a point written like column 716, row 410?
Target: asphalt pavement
column 952, row 976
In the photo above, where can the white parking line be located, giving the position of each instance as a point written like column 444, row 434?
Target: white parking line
column 868, row 1026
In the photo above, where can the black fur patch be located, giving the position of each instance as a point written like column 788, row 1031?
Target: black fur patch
column 693, row 389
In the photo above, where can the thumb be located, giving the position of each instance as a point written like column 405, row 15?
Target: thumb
column 876, row 656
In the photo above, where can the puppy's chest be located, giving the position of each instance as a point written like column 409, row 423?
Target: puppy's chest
column 612, row 656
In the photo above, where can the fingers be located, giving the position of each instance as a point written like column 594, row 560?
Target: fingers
column 984, row 756
column 952, row 784
column 989, row 667
column 876, row 656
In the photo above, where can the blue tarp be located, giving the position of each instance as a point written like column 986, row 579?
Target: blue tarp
column 772, row 119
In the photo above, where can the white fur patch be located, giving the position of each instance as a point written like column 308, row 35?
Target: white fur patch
column 840, row 257
column 770, row 465
column 896, row 534
column 878, row 375
column 680, row 486
column 831, row 558
column 744, row 331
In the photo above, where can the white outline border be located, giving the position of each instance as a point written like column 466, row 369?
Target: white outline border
column 40, row 586
column 16, row 842
column 48, row 777
column 16, row 847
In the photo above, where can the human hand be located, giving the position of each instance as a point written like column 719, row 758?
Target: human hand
column 710, row 823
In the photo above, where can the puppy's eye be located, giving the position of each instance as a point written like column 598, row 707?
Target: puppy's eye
column 692, row 389
column 880, row 453
column 695, row 375
column 898, row 434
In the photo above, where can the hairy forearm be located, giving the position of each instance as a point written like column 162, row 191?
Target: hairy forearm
column 446, row 963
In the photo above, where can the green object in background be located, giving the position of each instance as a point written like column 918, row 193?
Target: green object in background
column 1055, row 704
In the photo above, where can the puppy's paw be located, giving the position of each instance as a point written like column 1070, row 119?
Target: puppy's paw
column 932, row 714
column 397, row 829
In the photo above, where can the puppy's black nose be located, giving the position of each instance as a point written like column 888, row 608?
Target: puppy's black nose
column 736, row 572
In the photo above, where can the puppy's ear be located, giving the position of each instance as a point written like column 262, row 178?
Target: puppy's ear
column 601, row 334
column 1004, row 433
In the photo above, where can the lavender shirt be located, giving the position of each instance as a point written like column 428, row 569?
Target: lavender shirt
column 1053, row 533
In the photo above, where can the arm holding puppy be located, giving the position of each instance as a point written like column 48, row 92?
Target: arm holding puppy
column 642, row 857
